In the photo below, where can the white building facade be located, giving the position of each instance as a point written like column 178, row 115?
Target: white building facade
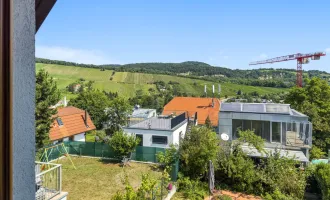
column 159, row 131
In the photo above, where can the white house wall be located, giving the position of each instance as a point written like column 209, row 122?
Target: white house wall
column 80, row 137
column 176, row 133
column 173, row 137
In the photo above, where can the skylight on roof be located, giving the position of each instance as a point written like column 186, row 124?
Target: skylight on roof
column 59, row 121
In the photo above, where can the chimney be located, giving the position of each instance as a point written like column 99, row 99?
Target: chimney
column 85, row 118
column 213, row 90
column 205, row 91
column 65, row 103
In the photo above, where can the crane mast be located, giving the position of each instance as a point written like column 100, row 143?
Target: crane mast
column 301, row 59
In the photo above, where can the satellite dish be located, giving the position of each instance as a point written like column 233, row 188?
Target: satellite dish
column 225, row 136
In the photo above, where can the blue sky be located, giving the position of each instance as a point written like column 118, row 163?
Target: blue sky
column 221, row 33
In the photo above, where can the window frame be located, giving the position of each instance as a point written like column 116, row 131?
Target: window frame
column 141, row 137
column 159, row 136
column 6, row 107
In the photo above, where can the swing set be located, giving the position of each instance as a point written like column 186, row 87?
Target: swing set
column 48, row 151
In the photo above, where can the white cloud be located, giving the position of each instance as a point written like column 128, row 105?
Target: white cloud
column 73, row 55
column 263, row 56
column 327, row 50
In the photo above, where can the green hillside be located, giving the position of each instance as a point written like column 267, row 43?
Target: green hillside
column 127, row 83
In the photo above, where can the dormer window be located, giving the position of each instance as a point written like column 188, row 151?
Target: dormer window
column 59, row 121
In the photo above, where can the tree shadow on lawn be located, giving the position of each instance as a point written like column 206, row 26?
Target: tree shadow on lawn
column 107, row 161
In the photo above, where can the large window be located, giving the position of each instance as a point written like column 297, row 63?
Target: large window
column 257, row 127
column 159, row 139
column 276, row 132
column 247, row 125
column 237, row 124
column 260, row 128
column 266, row 131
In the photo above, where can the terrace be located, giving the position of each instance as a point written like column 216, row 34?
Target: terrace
column 279, row 125
column 49, row 181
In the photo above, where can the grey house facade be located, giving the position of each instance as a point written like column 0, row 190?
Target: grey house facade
column 280, row 126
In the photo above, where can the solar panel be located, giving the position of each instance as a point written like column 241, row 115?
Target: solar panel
column 278, row 108
column 258, row 108
column 231, row 107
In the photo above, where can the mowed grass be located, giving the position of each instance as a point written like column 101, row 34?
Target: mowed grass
column 97, row 179
column 127, row 83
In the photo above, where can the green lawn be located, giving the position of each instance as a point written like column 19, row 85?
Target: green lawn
column 126, row 83
column 94, row 179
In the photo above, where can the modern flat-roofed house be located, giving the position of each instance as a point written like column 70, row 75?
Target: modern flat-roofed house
column 141, row 114
column 160, row 131
column 279, row 125
column 70, row 123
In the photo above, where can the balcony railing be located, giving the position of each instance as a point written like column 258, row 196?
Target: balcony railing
column 48, row 180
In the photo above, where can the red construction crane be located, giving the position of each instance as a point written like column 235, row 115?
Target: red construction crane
column 301, row 59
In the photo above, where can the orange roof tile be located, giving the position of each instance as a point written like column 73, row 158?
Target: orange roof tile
column 73, row 123
column 203, row 107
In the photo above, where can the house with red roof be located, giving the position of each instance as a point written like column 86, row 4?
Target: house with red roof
column 70, row 124
column 195, row 106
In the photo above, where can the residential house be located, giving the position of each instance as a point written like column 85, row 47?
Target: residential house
column 160, row 131
column 195, row 107
column 278, row 124
column 70, row 123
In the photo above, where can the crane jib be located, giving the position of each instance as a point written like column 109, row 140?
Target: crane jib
column 289, row 57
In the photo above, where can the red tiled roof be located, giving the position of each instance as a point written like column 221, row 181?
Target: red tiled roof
column 73, row 123
column 203, row 107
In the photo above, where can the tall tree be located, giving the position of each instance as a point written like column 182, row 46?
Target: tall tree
column 197, row 148
column 118, row 113
column 47, row 95
column 95, row 102
column 313, row 100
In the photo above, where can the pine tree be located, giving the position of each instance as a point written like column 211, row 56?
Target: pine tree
column 47, row 95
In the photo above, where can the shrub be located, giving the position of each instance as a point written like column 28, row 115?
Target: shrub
column 192, row 189
column 277, row 195
column 100, row 136
column 275, row 177
column 196, row 149
column 123, row 144
column 281, row 176
column 316, row 153
column 322, row 175
column 144, row 191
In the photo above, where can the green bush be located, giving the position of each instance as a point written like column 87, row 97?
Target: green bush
column 322, row 175
column 198, row 147
column 276, row 177
column 123, row 144
column 192, row 189
column 277, row 195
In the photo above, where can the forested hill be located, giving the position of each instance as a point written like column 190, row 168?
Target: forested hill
column 199, row 69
